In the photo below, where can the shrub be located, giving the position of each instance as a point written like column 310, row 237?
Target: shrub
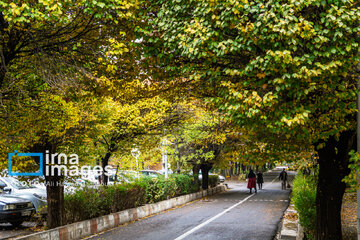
column 304, row 199
column 184, row 183
column 242, row 176
column 90, row 203
column 350, row 179
column 213, row 180
column 159, row 188
column 196, row 182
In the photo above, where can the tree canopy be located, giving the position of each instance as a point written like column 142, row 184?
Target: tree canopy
column 283, row 69
column 265, row 80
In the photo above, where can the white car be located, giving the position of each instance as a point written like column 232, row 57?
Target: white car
column 15, row 210
column 221, row 178
column 150, row 173
column 16, row 188
column 162, row 171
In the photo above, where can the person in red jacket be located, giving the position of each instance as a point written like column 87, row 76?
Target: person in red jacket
column 251, row 181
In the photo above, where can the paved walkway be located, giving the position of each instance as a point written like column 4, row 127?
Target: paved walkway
column 235, row 214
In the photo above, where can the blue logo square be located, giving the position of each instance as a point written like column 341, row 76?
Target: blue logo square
column 40, row 155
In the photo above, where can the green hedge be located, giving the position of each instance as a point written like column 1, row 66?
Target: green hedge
column 213, row 180
column 90, row 203
column 158, row 189
column 304, row 199
column 185, row 184
column 196, row 182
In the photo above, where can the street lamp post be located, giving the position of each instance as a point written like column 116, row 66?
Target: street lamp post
column 135, row 152
column 164, row 158
column 165, row 164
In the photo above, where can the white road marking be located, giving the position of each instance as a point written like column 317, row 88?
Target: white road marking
column 216, row 216
column 212, row 219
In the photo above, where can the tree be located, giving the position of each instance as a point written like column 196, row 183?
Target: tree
column 199, row 140
column 78, row 31
column 37, row 126
column 285, row 69
column 144, row 117
column 53, row 48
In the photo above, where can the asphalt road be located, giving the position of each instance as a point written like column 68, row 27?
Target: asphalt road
column 234, row 214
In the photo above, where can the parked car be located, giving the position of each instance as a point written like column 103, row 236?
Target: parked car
column 122, row 177
column 150, row 173
column 38, row 182
column 15, row 188
column 129, row 176
column 14, row 210
column 162, row 171
column 221, row 178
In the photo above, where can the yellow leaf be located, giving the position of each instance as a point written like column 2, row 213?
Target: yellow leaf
column 261, row 75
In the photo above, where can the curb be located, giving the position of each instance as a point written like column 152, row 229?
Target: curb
column 289, row 229
column 96, row 225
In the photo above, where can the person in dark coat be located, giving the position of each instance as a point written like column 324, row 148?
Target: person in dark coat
column 251, row 181
column 283, row 178
column 260, row 179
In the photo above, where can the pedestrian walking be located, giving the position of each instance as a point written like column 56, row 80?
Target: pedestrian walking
column 251, row 181
column 283, row 178
column 259, row 179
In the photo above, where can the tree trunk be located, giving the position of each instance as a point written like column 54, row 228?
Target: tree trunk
column 333, row 167
column 205, row 178
column 196, row 170
column 104, row 163
column 205, row 168
column 55, row 201
column 116, row 174
column 55, row 197
column 54, row 187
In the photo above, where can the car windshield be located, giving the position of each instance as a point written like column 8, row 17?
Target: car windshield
column 16, row 183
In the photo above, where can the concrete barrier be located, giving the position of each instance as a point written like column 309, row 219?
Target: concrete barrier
column 288, row 228
column 89, row 227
